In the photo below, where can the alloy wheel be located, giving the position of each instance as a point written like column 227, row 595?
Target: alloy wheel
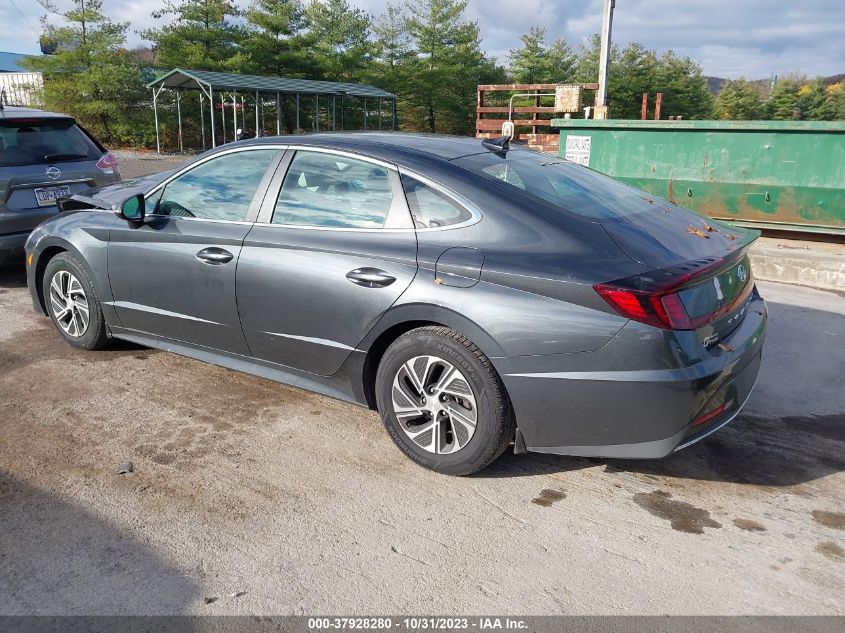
column 434, row 404
column 69, row 303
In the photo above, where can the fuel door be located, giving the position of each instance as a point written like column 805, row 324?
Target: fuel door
column 459, row 267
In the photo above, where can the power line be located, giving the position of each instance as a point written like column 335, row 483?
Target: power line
column 25, row 19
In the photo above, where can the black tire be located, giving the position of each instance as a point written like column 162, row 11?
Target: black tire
column 494, row 425
column 95, row 335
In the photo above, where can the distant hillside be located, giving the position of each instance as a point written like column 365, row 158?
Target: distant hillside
column 715, row 83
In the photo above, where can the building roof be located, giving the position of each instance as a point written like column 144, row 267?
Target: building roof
column 9, row 62
column 203, row 79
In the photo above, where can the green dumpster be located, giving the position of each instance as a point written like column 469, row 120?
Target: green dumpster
column 786, row 175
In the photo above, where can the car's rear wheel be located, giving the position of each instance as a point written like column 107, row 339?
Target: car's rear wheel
column 72, row 302
column 442, row 401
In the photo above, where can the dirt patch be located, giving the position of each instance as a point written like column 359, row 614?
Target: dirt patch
column 42, row 342
column 548, row 496
column 683, row 516
column 749, row 525
column 835, row 520
column 831, row 550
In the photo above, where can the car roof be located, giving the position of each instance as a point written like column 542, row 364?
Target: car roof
column 19, row 112
column 399, row 146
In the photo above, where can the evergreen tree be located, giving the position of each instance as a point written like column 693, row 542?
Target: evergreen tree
column 739, row 100
column 637, row 70
column 684, row 88
column 201, row 35
column 535, row 62
column 836, row 96
column 448, row 63
column 392, row 50
column 339, row 36
column 562, row 61
column 814, row 103
column 589, row 55
column 528, row 64
column 275, row 42
column 91, row 75
column 783, row 103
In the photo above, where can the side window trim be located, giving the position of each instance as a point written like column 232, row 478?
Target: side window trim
column 398, row 215
column 458, row 199
column 268, row 205
column 257, row 198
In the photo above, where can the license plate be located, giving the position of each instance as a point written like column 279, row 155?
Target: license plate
column 47, row 196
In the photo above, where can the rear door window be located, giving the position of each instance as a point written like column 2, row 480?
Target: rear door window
column 43, row 141
column 331, row 190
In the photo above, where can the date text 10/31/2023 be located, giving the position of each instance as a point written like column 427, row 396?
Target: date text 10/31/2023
column 416, row 623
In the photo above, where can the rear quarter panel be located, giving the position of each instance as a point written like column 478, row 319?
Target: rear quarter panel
column 534, row 295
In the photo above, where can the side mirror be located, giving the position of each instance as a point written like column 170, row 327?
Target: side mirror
column 133, row 209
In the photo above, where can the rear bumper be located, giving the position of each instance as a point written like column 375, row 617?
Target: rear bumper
column 11, row 248
column 623, row 400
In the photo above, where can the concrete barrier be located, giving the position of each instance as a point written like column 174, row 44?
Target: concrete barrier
column 816, row 264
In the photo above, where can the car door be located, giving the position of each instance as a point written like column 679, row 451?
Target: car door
column 334, row 248
column 174, row 275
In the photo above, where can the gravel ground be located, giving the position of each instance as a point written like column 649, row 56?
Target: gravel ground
column 303, row 503
column 251, row 497
column 135, row 163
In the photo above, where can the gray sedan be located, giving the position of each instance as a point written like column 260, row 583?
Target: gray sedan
column 477, row 296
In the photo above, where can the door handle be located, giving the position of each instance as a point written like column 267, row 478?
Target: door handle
column 214, row 255
column 370, row 277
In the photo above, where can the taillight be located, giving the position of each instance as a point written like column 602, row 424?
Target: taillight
column 660, row 310
column 655, row 297
column 108, row 163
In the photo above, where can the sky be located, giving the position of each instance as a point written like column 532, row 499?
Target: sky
column 729, row 38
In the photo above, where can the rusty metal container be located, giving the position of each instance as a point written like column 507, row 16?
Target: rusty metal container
column 786, row 175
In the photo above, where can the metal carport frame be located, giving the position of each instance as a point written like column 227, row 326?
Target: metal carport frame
column 228, row 84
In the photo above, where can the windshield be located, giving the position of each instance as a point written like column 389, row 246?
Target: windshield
column 40, row 141
column 571, row 187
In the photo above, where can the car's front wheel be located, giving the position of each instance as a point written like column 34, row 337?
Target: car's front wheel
column 72, row 302
column 442, row 401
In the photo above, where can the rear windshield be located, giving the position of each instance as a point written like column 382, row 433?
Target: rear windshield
column 40, row 141
column 568, row 186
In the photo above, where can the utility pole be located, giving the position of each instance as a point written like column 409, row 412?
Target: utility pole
column 604, row 61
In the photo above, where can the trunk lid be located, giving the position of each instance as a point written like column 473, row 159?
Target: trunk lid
column 667, row 236
column 717, row 303
column 658, row 233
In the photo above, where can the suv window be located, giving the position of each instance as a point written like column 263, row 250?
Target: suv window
column 430, row 207
column 334, row 191
column 40, row 141
column 219, row 189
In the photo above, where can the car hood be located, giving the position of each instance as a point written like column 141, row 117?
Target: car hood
column 111, row 196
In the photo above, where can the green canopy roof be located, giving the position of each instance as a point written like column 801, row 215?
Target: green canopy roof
column 203, row 80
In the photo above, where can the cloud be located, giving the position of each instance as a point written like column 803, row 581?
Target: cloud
column 730, row 38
